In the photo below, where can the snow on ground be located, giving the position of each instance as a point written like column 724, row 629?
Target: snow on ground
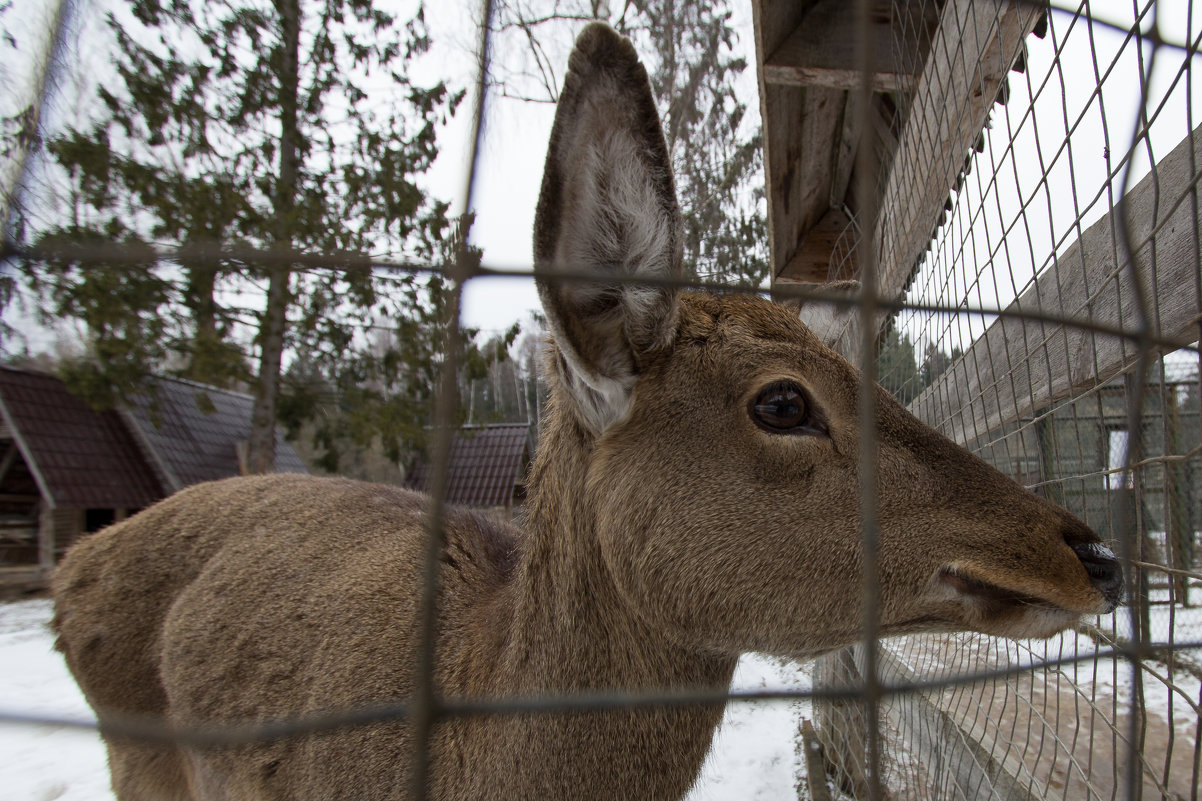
column 754, row 756
column 43, row 763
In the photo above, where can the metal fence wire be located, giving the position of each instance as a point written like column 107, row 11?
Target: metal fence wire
column 1047, row 328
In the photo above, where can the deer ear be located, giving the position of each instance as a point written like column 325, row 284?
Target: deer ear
column 607, row 209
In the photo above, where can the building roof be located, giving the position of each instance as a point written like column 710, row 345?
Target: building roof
column 486, row 464
column 192, row 432
column 80, row 458
column 181, row 434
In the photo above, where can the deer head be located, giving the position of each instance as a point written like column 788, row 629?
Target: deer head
column 723, row 433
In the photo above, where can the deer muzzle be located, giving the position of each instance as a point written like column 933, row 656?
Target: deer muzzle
column 1104, row 571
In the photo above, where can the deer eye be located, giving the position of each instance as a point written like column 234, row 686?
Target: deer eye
column 782, row 407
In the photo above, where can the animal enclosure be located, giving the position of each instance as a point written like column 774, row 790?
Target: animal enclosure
column 1070, row 228
column 1016, row 186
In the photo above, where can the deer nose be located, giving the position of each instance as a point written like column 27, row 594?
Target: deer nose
column 1104, row 570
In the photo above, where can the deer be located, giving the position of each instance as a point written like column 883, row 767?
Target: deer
column 694, row 497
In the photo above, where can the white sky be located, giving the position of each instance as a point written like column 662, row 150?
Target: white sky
column 509, row 172
column 1054, row 162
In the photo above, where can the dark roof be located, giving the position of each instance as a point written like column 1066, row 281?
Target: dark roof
column 192, row 432
column 486, row 464
column 181, row 434
column 81, row 458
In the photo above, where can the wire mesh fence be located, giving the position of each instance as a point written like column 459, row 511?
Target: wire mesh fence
column 1047, row 327
column 1090, row 157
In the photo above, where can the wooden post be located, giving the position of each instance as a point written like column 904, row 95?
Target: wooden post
column 842, row 725
column 45, row 537
column 815, row 763
column 1179, row 533
column 1045, row 433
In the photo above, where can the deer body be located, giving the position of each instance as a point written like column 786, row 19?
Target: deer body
column 694, row 497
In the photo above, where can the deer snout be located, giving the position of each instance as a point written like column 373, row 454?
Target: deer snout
column 1104, row 571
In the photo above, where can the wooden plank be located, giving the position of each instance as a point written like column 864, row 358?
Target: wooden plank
column 973, row 50
column 1018, row 366
column 815, row 766
column 812, row 260
column 842, row 726
column 800, row 131
column 46, row 537
column 823, row 49
column 798, row 140
column 946, row 747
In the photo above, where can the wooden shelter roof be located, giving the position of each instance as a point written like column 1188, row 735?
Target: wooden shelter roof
column 939, row 65
column 180, row 434
column 486, row 464
column 192, row 432
column 80, row 458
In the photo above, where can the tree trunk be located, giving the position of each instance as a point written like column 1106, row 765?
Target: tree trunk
column 15, row 161
column 204, row 362
column 261, row 448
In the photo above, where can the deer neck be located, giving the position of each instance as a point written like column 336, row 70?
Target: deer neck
column 572, row 631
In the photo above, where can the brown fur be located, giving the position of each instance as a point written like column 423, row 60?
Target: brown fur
column 665, row 534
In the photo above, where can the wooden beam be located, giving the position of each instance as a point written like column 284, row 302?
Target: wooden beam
column 46, row 537
column 799, row 137
column 27, row 455
column 1018, row 366
column 936, row 738
column 823, row 50
column 801, row 128
column 974, row 48
column 815, row 765
column 811, row 262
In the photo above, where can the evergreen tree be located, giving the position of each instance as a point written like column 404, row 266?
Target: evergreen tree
column 935, row 362
column 229, row 125
column 689, row 51
column 897, row 369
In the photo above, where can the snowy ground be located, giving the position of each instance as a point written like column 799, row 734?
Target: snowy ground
column 754, row 755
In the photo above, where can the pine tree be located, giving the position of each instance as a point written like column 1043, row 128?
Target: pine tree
column 236, row 125
column 897, row 367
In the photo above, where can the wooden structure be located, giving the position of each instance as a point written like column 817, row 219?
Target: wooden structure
column 487, row 467
column 1045, row 362
column 938, row 66
column 67, row 469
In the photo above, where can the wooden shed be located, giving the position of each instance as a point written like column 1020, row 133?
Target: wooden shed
column 487, row 467
column 938, row 66
column 67, row 469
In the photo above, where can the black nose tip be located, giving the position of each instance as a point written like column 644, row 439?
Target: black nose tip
column 1103, row 569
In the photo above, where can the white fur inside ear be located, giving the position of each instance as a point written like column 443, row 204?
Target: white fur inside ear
column 616, row 223
column 600, row 401
column 623, row 229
